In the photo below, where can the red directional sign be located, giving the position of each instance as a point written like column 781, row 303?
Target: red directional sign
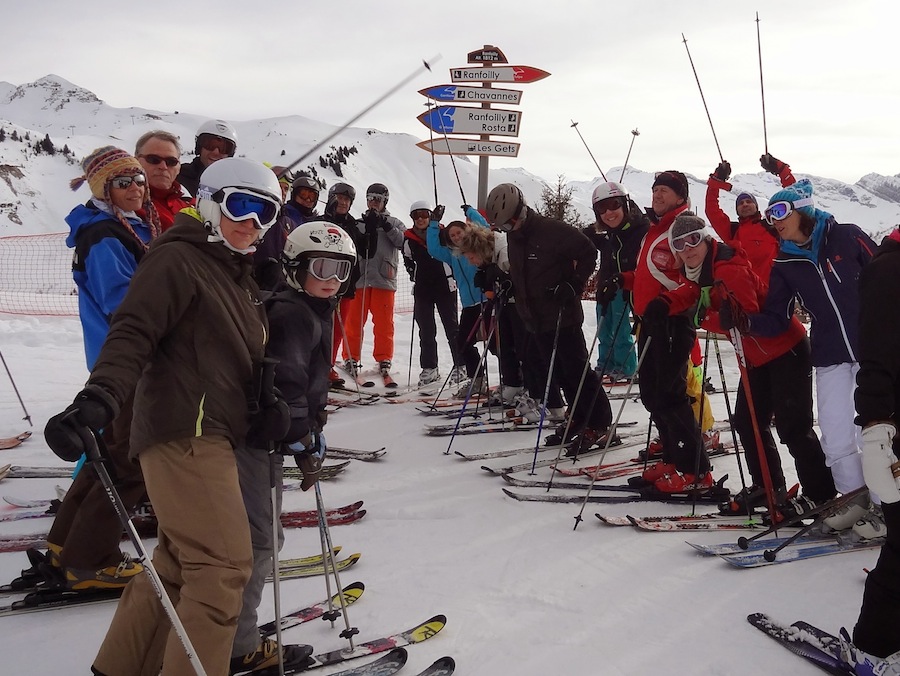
column 519, row 74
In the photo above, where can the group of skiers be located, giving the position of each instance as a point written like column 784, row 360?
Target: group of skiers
column 218, row 360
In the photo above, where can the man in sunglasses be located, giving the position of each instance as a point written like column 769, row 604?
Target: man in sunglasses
column 215, row 139
column 159, row 153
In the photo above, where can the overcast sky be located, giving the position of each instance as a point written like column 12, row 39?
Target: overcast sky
column 830, row 67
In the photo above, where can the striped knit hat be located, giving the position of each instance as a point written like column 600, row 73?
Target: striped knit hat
column 103, row 164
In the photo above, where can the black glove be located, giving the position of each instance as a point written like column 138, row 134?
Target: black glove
column 564, row 293
column 94, row 408
column 729, row 319
column 465, row 208
column 656, row 314
column 479, row 279
column 270, row 423
column 723, row 171
column 608, row 289
column 372, row 219
column 438, row 213
column 771, row 164
column 309, row 454
column 385, row 224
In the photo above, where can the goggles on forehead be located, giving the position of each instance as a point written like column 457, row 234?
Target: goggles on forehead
column 240, row 204
column 687, row 241
column 324, row 269
column 778, row 211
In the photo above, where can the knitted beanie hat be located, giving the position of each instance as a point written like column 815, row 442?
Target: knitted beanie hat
column 674, row 180
column 685, row 223
column 747, row 196
column 801, row 190
column 103, row 164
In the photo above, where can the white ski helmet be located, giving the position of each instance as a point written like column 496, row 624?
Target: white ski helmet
column 218, row 128
column 505, row 203
column 606, row 190
column 318, row 239
column 419, row 205
column 221, row 186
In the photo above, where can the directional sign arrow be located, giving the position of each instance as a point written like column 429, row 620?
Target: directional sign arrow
column 518, row 74
column 452, row 93
column 464, row 120
column 465, row 146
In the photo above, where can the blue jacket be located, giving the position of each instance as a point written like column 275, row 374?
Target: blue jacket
column 106, row 256
column 463, row 270
column 825, row 281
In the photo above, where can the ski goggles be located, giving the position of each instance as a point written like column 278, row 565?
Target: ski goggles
column 609, row 204
column 778, row 211
column 324, row 269
column 223, row 145
column 240, row 204
column 687, row 241
column 375, row 197
column 420, row 213
column 307, row 195
column 122, row 182
column 159, row 159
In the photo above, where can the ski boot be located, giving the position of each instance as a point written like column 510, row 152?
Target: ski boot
column 265, row 657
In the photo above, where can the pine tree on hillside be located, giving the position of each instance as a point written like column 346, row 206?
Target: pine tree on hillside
column 2, row 134
column 556, row 202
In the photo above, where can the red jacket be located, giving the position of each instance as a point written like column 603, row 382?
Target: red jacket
column 168, row 203
column 658, row 269
column 727, row 269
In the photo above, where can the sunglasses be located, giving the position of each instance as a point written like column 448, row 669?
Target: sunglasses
column 158, row 159
column 224, row 146
column 324, row 269
column 778, row 211
column 609, row 204
column 688, row 241
column 374, row 197
column 420, row 213
column 240, row 204
column 122, row 182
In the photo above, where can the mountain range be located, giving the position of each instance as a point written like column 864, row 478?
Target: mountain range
column 34, row 193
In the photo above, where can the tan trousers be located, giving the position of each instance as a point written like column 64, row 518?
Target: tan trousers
column 204, row 559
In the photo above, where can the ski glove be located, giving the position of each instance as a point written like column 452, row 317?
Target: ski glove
column 479, row 279
column 94, row 408
column 372, row 219
column 438, row 213
column 309, row 453
column 877, row 460
column 609, row 289
column 729, row 319
column 271, row 423
column 723, row 171
column 772, row 164
column 564, row 293
column 656, row 314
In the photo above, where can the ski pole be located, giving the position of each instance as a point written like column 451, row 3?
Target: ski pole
column 433, row 163
column 703, row 98
column 762, row 90
column 730, row 412
column 426, row 65
column 16, row 389
column 612, row 432
column 92, row 445
column 348, row 632
column 452, row 160
column 701, row 450
column 274, row 484
column 345, row 342
column 634, row 134
column 574, row 126
column 537, row 443
column 412, row 329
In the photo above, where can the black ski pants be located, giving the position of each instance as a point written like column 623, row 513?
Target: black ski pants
column 468, row 337
column 783, row 388
column 664, row 393
column 424, row 305
column 592, row 408
column 876, row 629
column 507, row 343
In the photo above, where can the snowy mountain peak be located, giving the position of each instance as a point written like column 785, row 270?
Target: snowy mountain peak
column 52, row 92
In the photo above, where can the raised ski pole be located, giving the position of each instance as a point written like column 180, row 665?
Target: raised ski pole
column 762, row 89
column 426, row 65
column 611, row 433
column 433, row 163
column 16, row 389
column 574, row 126
column 634, row 134
column 537, row 443
column 703, row 98
column 329, row 563
column 95, row 457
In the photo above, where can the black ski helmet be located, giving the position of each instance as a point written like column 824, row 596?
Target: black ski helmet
column 342, row 189
column 305, row 182
column 379, row 189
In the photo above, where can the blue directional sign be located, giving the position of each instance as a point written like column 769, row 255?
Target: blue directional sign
column 466, row 120
column 451, row 93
